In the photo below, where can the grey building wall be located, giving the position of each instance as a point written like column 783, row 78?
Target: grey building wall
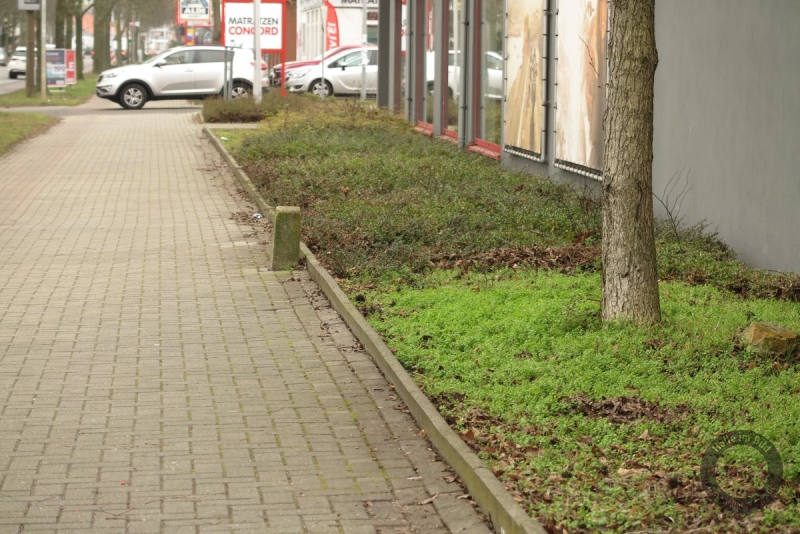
column 727, row 115
column 727, row 108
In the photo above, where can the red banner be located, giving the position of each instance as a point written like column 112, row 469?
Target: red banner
column 331, row 26
column 71, row 76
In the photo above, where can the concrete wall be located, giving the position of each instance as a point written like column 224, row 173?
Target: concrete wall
column 727, row 108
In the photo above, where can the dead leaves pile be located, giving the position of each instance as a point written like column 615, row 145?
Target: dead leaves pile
column 564, row 259
column 624, row 409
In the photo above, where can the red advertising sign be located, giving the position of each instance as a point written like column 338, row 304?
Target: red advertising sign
column 237, row 24
column 72, row 77
column 331, row 26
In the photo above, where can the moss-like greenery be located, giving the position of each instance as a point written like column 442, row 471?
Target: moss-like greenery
column 592, row 427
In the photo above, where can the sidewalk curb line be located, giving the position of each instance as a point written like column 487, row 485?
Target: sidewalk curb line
column 507, row 516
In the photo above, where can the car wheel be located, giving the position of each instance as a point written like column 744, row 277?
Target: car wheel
column 239, row 90
column 12, row 75
column 133, row 96
column 321, row 88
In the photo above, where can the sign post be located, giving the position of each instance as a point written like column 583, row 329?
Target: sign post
column 257, row 50
column 364, row 50
column 43, row 52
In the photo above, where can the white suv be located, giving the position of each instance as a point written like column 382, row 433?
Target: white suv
column 184, row 72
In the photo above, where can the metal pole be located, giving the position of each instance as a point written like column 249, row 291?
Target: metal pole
column 43, row 52
column 324, row 17
column 226, row 90
column 364, row 50
column 257, row 50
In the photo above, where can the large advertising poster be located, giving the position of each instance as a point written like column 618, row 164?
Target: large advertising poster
column 525, row 71
column 238, row 25
column 56, row 67
column 581, row 85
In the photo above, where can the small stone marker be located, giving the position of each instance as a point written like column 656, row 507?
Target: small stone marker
column 286, row 239
column 771, row 338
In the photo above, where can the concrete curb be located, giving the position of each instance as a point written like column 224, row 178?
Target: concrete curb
column 489, row 493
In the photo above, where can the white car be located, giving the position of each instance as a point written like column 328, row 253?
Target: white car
column 493, row 63
column 17, row 66
column 340, row 74
column 18, row 63
column 180, row 73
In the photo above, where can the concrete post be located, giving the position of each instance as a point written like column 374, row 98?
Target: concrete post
column 285, row 252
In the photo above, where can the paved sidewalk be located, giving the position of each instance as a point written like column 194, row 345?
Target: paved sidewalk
column 154, row 377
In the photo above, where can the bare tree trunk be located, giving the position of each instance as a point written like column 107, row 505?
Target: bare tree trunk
column 630, row 281
column 215, row 15
column 69, row 32
column 30, row 44
column 118, row 37
column 79, row 44
column 102, row 40
column 38, row 71
column 59, row 32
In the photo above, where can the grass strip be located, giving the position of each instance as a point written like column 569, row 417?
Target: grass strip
column 484, row 283
column 14, row 127
column 72, row 95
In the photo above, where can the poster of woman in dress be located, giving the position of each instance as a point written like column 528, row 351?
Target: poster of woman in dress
column 581, row 83
column 525, row 71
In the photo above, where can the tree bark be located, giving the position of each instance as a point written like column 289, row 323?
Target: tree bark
column 215, row 21
column 30, row 44
column 59, row 33
column 630, row 279
column 79, row 44
column 102, row 41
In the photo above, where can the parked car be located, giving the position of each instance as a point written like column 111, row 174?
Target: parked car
column 338, row 75
column 493, row 63
column 3, row 57
column 17, row 63
column 183, row 72
column 275, row 71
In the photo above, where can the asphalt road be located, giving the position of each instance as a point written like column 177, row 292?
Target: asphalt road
column 7, row 85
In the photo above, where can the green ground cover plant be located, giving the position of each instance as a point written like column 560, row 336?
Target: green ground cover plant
column 486, row 285
column 244, row 110
column 72, row 95
column 15, row 127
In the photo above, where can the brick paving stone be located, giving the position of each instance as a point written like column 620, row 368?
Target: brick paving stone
column 156, row 377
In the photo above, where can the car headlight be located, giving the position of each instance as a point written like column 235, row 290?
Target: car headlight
column 297, row 73
column 110, row 75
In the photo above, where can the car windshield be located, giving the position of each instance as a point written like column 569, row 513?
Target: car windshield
column 158, row 56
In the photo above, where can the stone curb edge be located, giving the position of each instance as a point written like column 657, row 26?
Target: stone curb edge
column 488, row 492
